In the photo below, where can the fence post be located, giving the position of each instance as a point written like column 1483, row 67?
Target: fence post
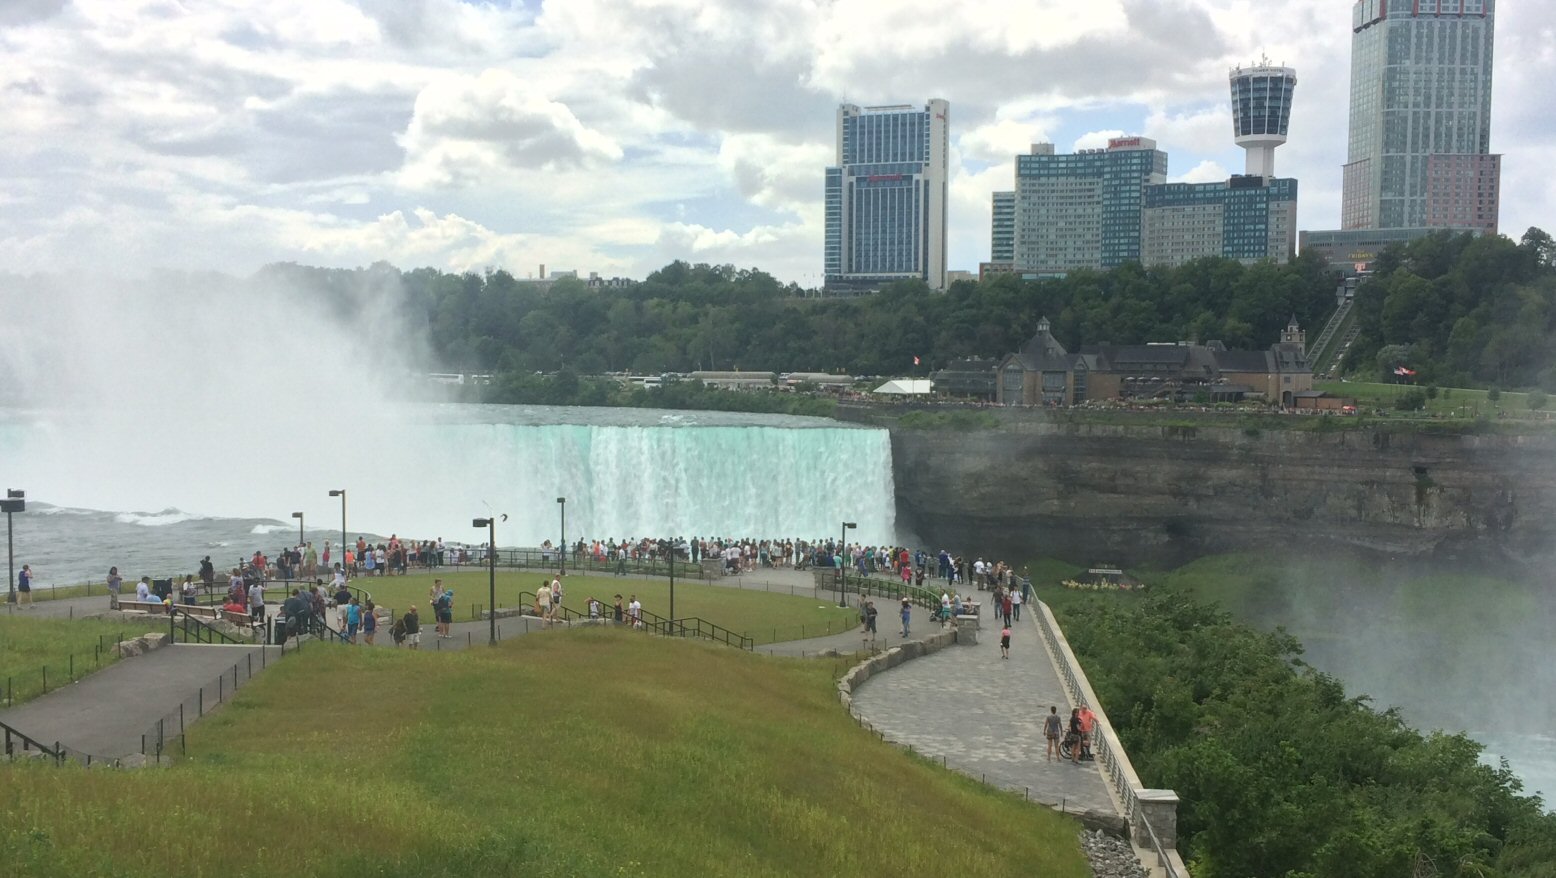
column 45, row 679
column 200, row 707
column 72, row 667
column 221, row 686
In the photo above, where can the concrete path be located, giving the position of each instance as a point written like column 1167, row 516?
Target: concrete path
column 984, row 716
column 106, row 713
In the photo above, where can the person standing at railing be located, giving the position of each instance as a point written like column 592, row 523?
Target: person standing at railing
column 207, row 573
column 543, row 600
column 325, row 558
column 907, row 616
column 115, row 582
column 635, row 612
column 24, row 586
column 310, row 561
column 1088, row 724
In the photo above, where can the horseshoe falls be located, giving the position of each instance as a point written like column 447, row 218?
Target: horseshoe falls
column 428, row 470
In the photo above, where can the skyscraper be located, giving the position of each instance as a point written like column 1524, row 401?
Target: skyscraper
column 1420, row 128
column 1083, row 210
column 886, row 196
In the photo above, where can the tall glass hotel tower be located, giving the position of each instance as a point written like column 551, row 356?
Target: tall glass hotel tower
column 1420, row 131
column 886, row 196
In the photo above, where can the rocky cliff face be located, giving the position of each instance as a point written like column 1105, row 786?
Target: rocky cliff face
column 1161, row 494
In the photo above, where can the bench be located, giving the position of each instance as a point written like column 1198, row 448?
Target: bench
column 202, row 612
column 142, row 606
column 243, row 619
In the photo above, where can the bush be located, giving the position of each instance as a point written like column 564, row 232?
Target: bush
column 1537, row 400
column 1494, row 394
column 1431, row 391
column 1411, row 400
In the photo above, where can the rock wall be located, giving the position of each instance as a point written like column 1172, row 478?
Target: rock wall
column 1167, row 494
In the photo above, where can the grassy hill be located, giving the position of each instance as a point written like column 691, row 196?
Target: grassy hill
column 581, row 753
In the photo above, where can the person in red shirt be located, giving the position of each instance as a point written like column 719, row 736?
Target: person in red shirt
column 1088, row 723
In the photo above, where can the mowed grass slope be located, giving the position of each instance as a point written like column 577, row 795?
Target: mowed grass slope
column 762, row 615
column 592, row 752
column 29, row 644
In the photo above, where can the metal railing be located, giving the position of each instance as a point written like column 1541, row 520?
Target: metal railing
column 1105, row 746
column 195, row 629
column 169, row 733
column 583, row 562
column 653, row 623
column 18, row 743
column 98, row 652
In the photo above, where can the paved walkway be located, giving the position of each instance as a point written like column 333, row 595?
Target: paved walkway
column 106, row 713
column 984, row 716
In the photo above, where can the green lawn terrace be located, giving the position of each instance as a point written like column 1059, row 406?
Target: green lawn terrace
column 581, row 752
column 764, row 612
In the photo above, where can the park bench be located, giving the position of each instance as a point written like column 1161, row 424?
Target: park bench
column 243, row 619
column 142, row 606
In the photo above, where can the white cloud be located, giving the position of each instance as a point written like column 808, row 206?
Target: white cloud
column 1207, row 171
column 1096, row 139
column 615, row 135
column 467, row 129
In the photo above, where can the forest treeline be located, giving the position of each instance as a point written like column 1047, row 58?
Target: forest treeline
column 1279, row 771
column 1457, row 309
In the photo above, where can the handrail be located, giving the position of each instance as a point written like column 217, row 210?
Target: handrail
column 27, row 741
column 204, row 632
column 1104, row 740
column 893, row 588
column 655, row 623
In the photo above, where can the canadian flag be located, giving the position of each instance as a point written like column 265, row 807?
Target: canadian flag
column 1402, row 372
column 915, row 361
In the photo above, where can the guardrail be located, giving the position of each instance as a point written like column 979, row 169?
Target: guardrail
column 1110, row 754
column 691, row 626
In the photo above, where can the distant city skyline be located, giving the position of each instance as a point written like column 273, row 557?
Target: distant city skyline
column 616, row 135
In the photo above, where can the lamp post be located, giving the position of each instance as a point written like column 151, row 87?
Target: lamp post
column 561, row 503
column 672, row 581
column 15, row 501
column 842, row 554
column 299, row 517
column 341, row 493
column 491, row 566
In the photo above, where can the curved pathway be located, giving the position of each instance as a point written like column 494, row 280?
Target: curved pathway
column 983, row 716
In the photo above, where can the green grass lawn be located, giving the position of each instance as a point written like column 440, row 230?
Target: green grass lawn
column 761, row 615
column 28, row 645
column 591, row 752
column 1451, row 401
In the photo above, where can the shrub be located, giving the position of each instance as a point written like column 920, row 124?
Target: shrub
column 1537, row 400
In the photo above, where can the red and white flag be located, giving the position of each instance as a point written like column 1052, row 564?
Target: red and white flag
column 915, row 360
column 1402, row 372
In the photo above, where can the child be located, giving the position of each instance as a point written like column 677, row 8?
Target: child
column 1005, row 641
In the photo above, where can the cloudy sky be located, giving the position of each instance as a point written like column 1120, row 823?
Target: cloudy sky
column 617, row 135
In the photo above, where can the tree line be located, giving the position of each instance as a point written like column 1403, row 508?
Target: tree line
column 1457, row 309
column 1279, row 772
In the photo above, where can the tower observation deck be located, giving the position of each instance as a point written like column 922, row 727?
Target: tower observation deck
column 1261, row 112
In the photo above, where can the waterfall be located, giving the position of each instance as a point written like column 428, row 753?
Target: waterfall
column 625, row 473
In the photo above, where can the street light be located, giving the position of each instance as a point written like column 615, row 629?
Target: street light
column 15, row 501
column 562, row 506
column 491, row 565
column 299, row 517
column 842, row 554
column 673, row 545
column 342, row 495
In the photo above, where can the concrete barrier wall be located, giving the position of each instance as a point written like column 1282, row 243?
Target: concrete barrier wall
column 1152, row 814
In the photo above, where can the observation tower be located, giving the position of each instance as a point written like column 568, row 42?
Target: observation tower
column 1261, row 112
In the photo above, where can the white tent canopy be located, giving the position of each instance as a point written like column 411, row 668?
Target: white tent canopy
column 907, row 386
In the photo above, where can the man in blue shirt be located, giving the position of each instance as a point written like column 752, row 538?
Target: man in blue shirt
column 24, row 586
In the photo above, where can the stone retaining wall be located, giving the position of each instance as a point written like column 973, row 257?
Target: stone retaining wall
column 142, row 644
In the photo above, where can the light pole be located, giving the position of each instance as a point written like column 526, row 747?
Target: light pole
column 15, row 501
column 561, row 503
column 842, row 554
column 342, row 495
column 299, row 517
column 491, row 566
column 672, row 581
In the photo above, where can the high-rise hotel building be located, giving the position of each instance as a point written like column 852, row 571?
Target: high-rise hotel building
column 1420, row 129
column 886, row 197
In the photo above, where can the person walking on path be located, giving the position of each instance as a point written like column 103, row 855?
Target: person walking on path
column 1005, row 640
column 24, row 586
column 412, row 628
column 869, row 621
column 635, row 610
column 1015, row 603
column 618, row 615
column 1052, row 728
column 115, row 582
column 369, row 623
column 907, row 616
column 257, row 603
column 353, row 620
